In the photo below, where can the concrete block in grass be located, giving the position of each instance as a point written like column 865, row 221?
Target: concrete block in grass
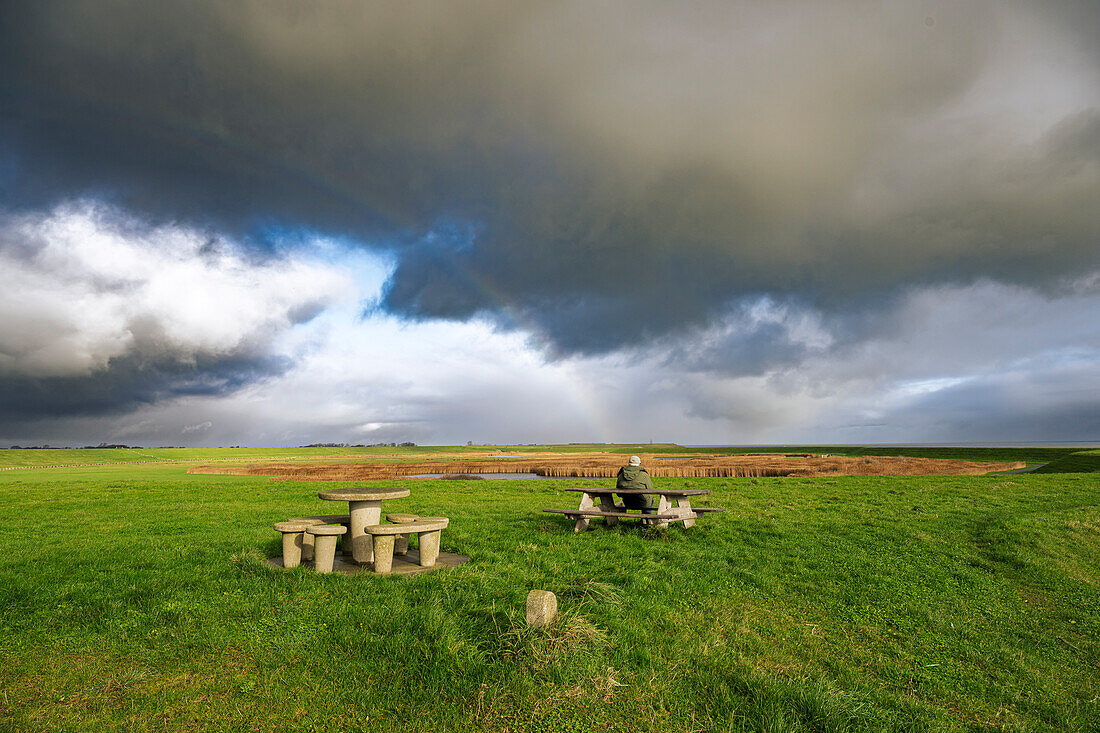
column 542, row 608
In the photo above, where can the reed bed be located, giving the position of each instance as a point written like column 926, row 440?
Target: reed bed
column 598, row 465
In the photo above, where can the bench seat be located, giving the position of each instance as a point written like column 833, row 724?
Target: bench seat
column 324, row 539
column 293, row 532
column 629, row 492
column 401, row 544
column 428, row 531
column 327, row 518
column 623, row 515
column 423, row 524
column 345, row 541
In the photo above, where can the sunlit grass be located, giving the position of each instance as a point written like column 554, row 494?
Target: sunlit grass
column 136, row 598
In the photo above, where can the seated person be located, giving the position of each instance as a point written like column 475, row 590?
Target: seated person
column 633, row 476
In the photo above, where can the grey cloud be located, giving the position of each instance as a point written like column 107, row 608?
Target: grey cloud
column 1057, row 405
column 100, row 317
column 926, row 333
column 128, row 382
column 627, row 170
column 746, row 346
column 981, row 362
column 753, row 353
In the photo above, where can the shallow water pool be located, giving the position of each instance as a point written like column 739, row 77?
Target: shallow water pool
column 505, row 476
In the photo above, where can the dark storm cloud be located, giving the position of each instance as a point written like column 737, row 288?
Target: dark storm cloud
column 129, row 382
column 233, row 114
column 627, row 168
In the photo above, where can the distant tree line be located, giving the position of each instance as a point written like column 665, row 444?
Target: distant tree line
column 86, row 447
column 102, row 445
column 139, row 447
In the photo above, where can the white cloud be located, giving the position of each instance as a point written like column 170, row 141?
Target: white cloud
column 769, row 372
column 79, row 288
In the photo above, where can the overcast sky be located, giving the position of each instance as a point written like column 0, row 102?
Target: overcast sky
column 278, row 223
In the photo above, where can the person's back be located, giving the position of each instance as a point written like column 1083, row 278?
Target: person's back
column 633, row 476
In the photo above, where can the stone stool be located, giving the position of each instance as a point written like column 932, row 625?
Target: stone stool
column 292, row 541
column 401, row 543
column 324, row 537
column 307, row 538
column 343, row 519
column 428, row 531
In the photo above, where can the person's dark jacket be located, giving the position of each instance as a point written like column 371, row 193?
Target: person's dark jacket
column 635, row 477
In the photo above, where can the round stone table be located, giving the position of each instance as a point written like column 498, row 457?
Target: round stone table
column 364, row 508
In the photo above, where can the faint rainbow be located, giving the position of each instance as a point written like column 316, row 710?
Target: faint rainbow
column 584, row 402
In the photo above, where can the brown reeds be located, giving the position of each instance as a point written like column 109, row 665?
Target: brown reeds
column 600, row 465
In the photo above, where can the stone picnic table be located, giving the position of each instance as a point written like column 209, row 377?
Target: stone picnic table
column 364, row 509
column 611, row 512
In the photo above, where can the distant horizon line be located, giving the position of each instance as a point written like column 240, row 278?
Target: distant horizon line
column 819, row 444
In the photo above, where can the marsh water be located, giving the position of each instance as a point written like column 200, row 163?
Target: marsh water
column 507, row 476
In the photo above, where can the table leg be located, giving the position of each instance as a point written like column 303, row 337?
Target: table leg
column 429, row 547
column 607, row 504
column 683, row 505
column 586, row 503
column 383, row 558
column 345, row 541
column 363, row 514
column 307, row 546
column 663, row 507
column 292, row 549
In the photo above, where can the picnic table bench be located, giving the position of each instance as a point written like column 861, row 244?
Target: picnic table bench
column 367, row 541
column 611, row 512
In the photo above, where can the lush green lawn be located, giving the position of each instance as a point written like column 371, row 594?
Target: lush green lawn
column 1087, row 461
column 135, row 597
column 28, row 457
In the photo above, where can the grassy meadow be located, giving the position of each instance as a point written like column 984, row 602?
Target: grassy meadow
column 134, row 596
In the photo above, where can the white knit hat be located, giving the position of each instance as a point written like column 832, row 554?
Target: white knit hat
column 635, row 461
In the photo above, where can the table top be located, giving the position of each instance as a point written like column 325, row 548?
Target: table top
column 621, row 492
column 363, row 493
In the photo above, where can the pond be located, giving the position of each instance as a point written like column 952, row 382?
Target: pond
column 507, row 476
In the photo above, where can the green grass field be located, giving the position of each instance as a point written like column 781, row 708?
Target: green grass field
column 27, row 457
column 1078, row 462
column 135, row 597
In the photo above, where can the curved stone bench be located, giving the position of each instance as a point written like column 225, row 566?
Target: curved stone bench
column 428, row 531
column 324, row 538
column 307, row 541
column 293, row 542
column 330, row 518
column 401, row 544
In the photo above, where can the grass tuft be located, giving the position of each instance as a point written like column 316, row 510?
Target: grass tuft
column 250, row 561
